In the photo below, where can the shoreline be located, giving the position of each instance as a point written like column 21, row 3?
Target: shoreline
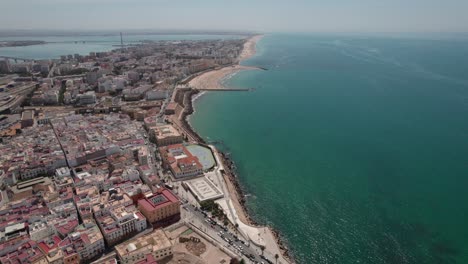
column 215, row 79
column 230, row 175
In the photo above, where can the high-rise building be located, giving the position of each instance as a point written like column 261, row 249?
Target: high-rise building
column 5, row 66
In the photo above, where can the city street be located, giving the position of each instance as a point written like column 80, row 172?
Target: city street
column 223, row 235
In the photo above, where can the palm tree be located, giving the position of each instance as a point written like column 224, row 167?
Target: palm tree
column 276, row 257
column 262, row 248
column 226, row 221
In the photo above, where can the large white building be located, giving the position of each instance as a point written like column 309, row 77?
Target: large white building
column 156, row 244
column 86, row 98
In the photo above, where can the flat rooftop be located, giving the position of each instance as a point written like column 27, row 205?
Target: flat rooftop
column 151, row 242
column 158, row 200
column 32, row 182
column 204, row 189
column 166, row 131
column 28, row 114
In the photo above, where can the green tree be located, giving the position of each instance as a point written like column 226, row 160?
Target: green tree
column 63, row 89
column 209, row 205
column 276, row 257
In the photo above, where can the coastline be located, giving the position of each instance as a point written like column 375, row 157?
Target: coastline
column 215, row 79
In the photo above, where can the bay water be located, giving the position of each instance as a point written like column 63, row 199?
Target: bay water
column 355, row 148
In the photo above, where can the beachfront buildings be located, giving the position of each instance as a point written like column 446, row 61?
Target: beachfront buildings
column 180, row 161
column 164, row 135
column 153, row 247
column 162, row 208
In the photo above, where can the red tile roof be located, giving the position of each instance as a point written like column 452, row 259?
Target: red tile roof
column 67, row 228
column 46, row 247
column 148, row 204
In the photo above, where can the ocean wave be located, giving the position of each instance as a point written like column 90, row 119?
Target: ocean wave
column 197, row 96
column 227, row 77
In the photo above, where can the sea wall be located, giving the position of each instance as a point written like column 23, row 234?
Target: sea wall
column 230, row 170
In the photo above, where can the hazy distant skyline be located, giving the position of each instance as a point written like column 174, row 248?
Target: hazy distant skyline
column 253, row 15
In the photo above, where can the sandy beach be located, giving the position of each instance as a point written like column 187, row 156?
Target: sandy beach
column 215, row 79
column 250, row 47
column 260, row 234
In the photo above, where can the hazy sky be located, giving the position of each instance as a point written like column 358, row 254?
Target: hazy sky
column 256, row 15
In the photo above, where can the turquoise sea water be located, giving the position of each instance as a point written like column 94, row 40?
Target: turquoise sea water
column 354, row 148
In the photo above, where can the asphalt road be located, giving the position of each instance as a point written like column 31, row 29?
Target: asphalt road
column 223, row 235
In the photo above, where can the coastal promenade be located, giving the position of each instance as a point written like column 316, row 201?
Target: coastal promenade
column 261, row 237
column 258, row 235
column 264, row 239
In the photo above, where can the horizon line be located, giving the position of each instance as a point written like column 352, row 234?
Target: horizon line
column 227, row 30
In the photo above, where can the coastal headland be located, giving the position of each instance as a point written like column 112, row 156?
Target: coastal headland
column 264, row 237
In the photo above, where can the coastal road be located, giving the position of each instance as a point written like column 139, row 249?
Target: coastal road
column 244, row 229
column 226, row 202
column 177, row 123
column 223, row 235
